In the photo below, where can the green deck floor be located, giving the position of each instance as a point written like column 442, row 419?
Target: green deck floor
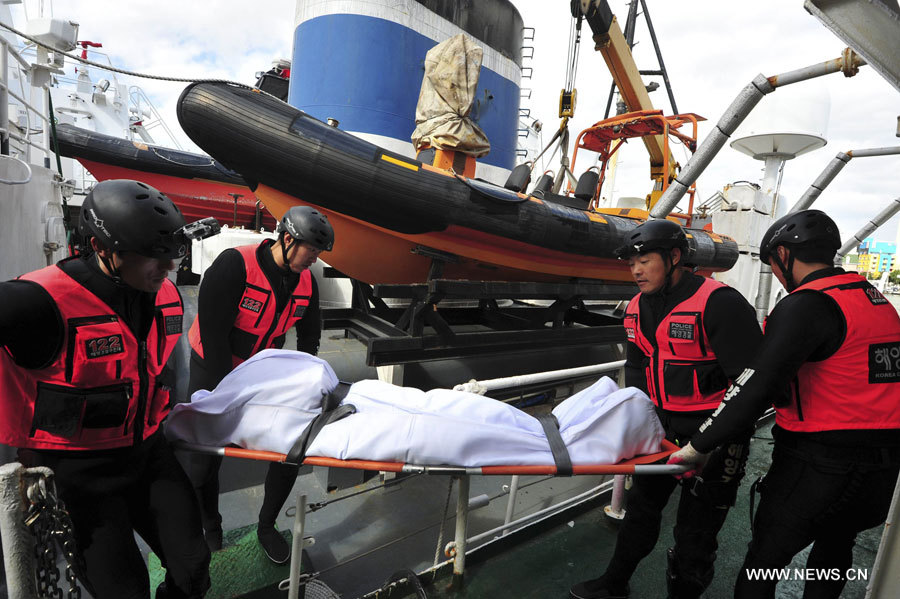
column 545, row 566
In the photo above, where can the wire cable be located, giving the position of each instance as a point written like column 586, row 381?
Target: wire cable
column 12, row 29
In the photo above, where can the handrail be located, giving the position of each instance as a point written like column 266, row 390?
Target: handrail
column 481, row 387
column 27, row 179
column 137, row 96
column 15, row 53
column 28, row 105
column 6, row 50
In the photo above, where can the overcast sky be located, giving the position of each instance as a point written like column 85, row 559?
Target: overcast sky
column 711, row 49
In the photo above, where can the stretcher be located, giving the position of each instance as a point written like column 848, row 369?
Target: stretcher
column 644, row 464
column 289, row 407
column 456, row 549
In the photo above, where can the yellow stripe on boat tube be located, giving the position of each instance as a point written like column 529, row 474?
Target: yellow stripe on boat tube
column 404, row 164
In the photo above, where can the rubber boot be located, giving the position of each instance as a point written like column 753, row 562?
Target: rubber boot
column 678, row 586
column 273, row 544
column 598, row 588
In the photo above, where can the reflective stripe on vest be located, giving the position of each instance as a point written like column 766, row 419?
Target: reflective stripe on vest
column 858, row 387
column 93, row 395
column 684, row 374
column 259, row 325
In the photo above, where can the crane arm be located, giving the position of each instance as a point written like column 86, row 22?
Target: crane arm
column 612, row 45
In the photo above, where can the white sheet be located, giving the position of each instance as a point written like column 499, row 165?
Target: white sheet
column 264, row 403
column 268, row 400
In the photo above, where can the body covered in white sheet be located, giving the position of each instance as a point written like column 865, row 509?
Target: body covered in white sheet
column 267, row 402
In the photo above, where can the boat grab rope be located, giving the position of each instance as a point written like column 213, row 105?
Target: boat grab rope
column 465, row 182
column 113, row 69
column 175, row 162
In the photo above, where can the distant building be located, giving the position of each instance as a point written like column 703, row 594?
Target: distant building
column 851, row 263
column 876, row 257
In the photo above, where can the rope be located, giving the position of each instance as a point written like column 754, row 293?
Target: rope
column 167, row 159
column 123, row 71
column 556, row 136
column 465, row 182
column 440, row 542
column 67, row 225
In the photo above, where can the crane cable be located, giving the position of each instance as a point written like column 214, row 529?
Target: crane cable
column 574, row 45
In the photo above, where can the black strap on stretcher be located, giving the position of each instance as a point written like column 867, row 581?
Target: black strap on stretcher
column 332, row 411
column 557, row 446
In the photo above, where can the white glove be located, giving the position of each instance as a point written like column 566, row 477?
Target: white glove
column 689, row 456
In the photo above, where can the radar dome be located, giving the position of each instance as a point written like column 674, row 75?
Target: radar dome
column 787, row 123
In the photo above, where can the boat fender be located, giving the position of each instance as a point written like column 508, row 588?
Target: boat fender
column 587, row 185
column 543, row 186
column 519, row 178
column 557, row 445
column 332, row 411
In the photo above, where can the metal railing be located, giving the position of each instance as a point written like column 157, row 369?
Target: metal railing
column 6, row 132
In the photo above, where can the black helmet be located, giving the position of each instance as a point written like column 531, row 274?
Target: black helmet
column 305, row 223
column 126, row 215
column 807, row 228
column 653, row 235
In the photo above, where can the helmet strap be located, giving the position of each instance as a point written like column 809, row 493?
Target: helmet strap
column 667, row 260
column 789, row 282
column 670, row 268
column 284, row 250
column 111, row 269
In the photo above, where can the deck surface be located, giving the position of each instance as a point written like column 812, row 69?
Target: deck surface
column 547, row 565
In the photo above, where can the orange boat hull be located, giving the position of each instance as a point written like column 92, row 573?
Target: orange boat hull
column 373, row 254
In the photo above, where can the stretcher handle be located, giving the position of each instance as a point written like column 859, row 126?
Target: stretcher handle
column 638, row 465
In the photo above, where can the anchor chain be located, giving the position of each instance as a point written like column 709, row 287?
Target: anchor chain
column 52, row 528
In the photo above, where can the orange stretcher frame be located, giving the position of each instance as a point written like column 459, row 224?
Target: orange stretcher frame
column 645, row 464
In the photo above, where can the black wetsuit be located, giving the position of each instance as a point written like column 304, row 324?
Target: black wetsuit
column 110, row 493
column 220, row 294
column 734, row 335
column 822, row 487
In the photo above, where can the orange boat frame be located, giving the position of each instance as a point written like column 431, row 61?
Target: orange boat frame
column 607, row 136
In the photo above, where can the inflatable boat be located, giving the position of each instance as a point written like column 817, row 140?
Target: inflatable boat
column 199, row 185
column 394, row 216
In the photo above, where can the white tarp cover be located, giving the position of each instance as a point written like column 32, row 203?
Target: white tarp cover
column 445, row 100
column 267, row 402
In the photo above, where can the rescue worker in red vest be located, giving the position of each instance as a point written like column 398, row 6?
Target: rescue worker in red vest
column 249, row 298
column 84, row 386
column 688, row 336
column 831, row 357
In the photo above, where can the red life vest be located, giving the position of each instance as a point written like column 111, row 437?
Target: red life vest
column 858, row 387
column 683, row 375
column 259, row 325
column 102, row 391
